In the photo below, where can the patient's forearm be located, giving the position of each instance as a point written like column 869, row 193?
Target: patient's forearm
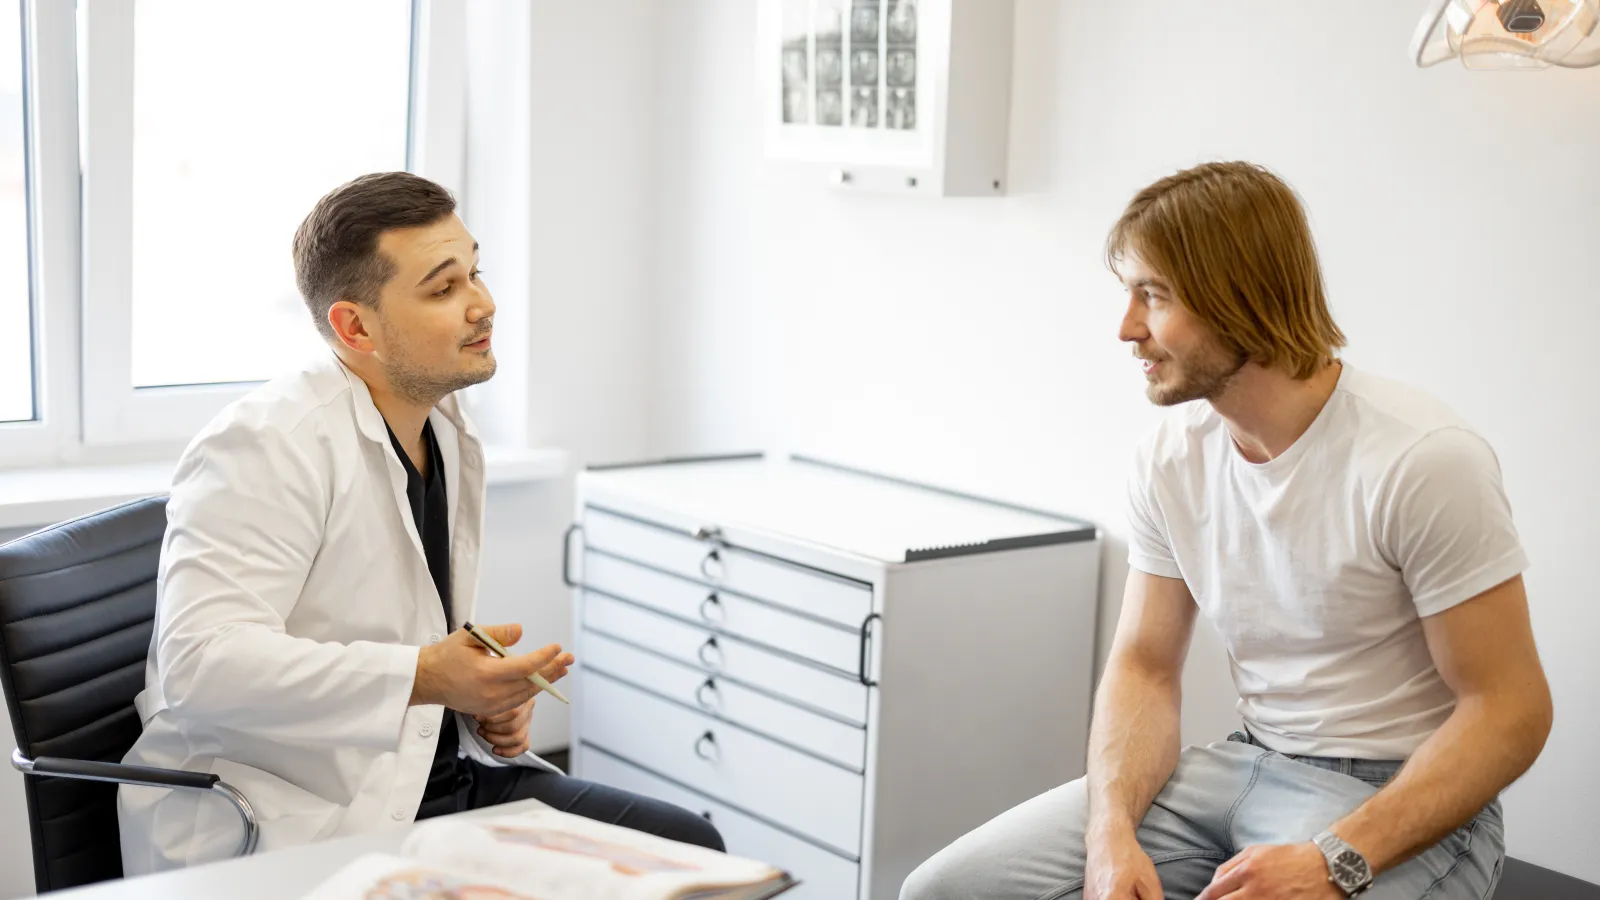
column 1133, row 744
column 1479, row 750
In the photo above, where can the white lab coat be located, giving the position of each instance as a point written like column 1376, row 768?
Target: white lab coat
column 293, row 599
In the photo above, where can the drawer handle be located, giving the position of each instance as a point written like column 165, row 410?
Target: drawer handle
column 708, row 649
column 708, row 533
column 861, row 664
column 566, row 555
column 711, row 609
column 705, row 747
column 715, row 701
column 711, row 566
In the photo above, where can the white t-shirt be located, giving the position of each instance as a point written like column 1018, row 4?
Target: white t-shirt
column 1317, row 566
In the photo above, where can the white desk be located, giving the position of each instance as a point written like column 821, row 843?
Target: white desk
column 283, row 875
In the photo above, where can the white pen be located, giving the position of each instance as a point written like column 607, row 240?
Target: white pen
column 493, row 646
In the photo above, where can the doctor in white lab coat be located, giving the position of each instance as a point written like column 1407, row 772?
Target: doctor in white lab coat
column 321, row 553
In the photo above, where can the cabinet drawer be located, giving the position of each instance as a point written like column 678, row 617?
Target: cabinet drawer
column 719, row 610
column 797, row 587
column 822, row 875
column 728, row 700
column 786, row 787
column 726, row 656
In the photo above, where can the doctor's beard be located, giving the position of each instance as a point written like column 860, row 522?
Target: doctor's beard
column 420, row 385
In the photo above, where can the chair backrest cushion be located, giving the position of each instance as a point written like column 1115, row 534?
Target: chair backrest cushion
column 77, row 606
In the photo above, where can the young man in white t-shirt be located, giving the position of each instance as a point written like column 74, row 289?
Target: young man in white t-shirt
column 1349, row 538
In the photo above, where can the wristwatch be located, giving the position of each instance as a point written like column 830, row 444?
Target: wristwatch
column 1347, row 868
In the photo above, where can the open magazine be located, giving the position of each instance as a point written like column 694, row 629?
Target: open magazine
column 543, row 854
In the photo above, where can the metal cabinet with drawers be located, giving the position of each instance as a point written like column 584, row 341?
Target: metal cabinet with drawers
column 843, row 671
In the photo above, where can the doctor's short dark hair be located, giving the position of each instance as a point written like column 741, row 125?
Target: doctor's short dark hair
column 336, row 248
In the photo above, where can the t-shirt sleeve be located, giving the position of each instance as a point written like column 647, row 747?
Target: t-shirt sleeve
column 1148, row 547
column 1447, row 523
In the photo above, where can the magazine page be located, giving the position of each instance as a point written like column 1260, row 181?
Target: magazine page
column 557, row 856
column 380, row 876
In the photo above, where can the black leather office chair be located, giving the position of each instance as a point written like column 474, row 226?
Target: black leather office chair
column 77, row 605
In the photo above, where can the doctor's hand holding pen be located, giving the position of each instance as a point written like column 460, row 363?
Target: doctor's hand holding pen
column 460, row 674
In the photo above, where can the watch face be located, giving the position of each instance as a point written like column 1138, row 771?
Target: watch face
column 1350, row 869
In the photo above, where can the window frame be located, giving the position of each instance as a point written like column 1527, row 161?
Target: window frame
column 50, row 135
column 113, row 412
column 30, row 307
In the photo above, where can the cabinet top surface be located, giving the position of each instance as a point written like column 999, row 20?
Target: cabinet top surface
column 859, row 512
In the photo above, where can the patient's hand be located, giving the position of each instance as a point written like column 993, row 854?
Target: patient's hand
column 1283, row 872
column 1119, row 869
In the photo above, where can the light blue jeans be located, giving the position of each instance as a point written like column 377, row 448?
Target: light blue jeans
column 1221, row 799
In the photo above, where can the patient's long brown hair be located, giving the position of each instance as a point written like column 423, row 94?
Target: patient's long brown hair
column 1232, row 240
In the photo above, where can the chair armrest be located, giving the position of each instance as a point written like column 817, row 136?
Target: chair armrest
column 104, row 771
column 146, row 776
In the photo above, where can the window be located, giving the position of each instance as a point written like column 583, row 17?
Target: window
column 193, row 187
column 16, row 296
column 226, row 166
column 155, row 159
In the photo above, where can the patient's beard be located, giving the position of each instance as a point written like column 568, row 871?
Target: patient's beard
column 1202, row 376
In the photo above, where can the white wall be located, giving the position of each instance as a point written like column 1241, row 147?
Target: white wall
column 561, row 131
column 589, row 257
column 972, row 342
